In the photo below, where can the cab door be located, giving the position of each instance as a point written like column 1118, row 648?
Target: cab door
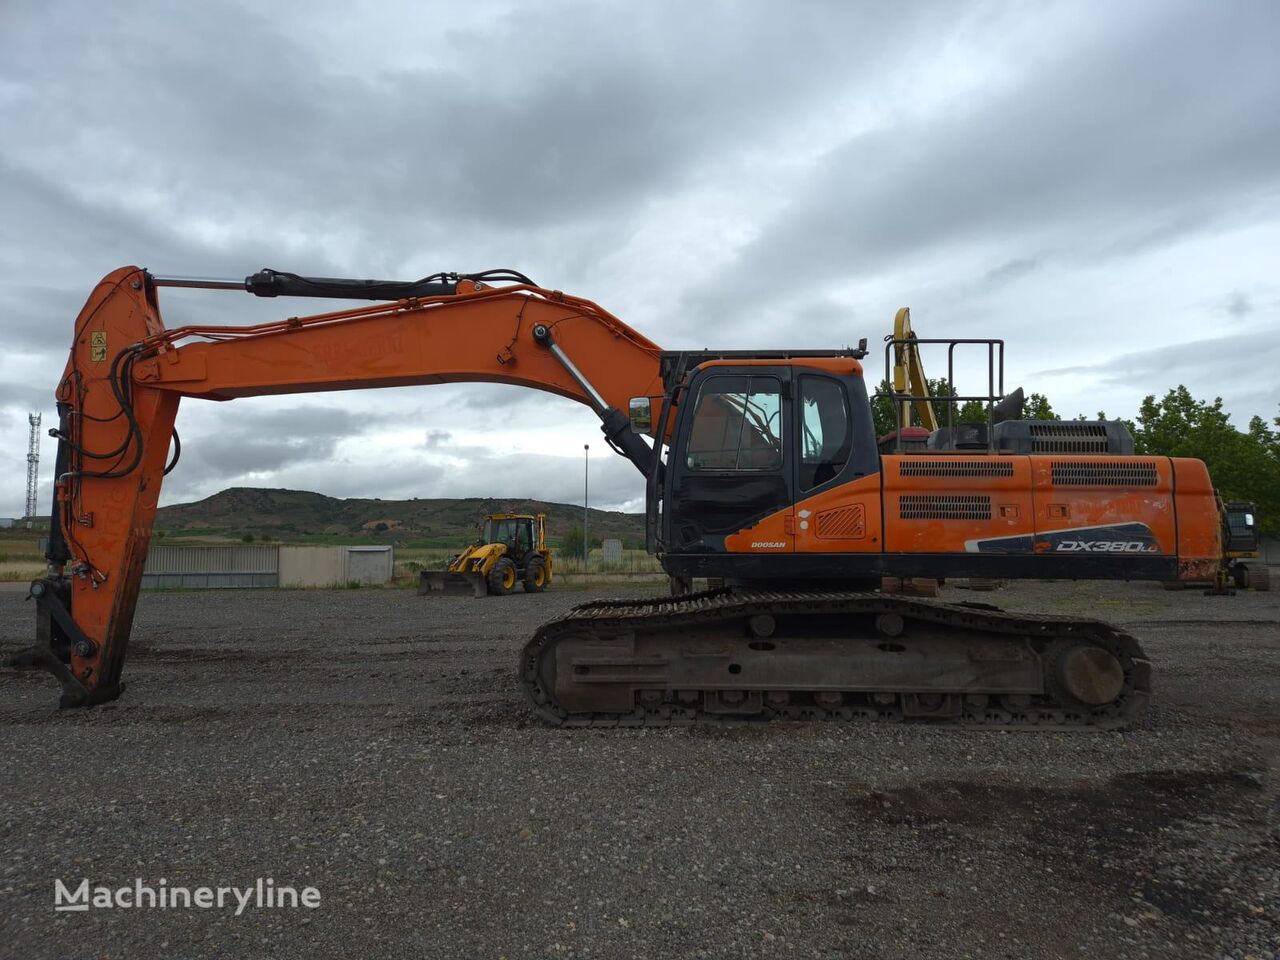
column 837, row 482
column 730, row 469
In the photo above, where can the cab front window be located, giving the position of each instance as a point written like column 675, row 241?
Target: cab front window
column 737, row 425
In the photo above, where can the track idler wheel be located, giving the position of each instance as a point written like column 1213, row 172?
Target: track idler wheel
column 1088, row 674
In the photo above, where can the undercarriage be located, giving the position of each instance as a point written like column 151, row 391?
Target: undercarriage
column 737, row 655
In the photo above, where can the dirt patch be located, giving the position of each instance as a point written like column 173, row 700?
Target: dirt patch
column 1114, row 831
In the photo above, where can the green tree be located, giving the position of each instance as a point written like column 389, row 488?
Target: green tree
column 1243, row 465
column 886, row 421
column 1102, row 415
column 942, row 409
column 1037, row 408
column 882, row 410
column 571, row 542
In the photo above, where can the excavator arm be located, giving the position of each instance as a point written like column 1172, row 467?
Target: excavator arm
column 118, row 399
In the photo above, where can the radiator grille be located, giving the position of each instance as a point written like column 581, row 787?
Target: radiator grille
column 936, row 506
column 1103, row 473
column 844, row 523
column 949, row 468
column 1068, row 438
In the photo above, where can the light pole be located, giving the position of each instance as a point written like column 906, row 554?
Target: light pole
column 586, row 474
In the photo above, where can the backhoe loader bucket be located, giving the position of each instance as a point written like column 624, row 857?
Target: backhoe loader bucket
column 452, row 584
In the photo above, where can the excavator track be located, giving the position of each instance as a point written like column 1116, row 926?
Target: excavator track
column 739, row 655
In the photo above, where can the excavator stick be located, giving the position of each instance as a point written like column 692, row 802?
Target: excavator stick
column 444, row 583
column 113, row 440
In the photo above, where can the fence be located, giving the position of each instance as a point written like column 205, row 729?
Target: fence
column 264, row 565
column 1271, row 551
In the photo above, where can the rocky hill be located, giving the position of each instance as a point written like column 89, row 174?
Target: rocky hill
column 287, row 514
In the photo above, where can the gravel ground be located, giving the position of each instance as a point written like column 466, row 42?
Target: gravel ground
column 374, row 745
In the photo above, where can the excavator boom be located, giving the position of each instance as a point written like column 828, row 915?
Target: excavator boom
column 126, row 374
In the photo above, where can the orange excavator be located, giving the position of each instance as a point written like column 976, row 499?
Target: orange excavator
column 761, row 468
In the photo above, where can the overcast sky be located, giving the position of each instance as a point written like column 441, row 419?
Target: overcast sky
column 1096, row 183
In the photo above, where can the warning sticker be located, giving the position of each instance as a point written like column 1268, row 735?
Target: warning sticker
column 98, row 346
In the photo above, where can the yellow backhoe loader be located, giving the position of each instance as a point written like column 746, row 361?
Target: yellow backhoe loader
column 511, row 550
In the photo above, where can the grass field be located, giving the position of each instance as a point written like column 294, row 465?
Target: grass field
column 20, row 557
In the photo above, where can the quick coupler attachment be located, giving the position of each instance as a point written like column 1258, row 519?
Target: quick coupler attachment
column 58, row 638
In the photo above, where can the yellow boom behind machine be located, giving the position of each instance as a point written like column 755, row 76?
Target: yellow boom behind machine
column 511, row 550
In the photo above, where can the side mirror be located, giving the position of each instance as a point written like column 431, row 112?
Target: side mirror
column 641, row 414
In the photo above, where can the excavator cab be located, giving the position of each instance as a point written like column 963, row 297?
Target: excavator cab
column 753, row 440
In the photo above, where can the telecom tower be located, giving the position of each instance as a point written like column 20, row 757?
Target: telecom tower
column 33, row 464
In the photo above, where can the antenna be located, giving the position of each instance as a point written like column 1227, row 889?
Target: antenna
column 33, row 464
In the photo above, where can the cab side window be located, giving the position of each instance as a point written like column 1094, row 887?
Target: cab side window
column 737, row 425
column 827, row 439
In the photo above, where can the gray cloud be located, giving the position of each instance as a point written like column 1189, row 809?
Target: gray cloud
column 1151, row 129
column 1207, row 367
column 1239, row 305
column 557, row 479
column 487, row 472
column 252, row 120
column 1011, row 270
column 22, row 397
column 1240, row 355
column 1084, row 181
column 436, row 438
column 496, row 397
column 255, row 441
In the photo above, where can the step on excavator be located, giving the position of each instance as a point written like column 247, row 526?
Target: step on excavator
column 511, row 549
column 761, row 468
